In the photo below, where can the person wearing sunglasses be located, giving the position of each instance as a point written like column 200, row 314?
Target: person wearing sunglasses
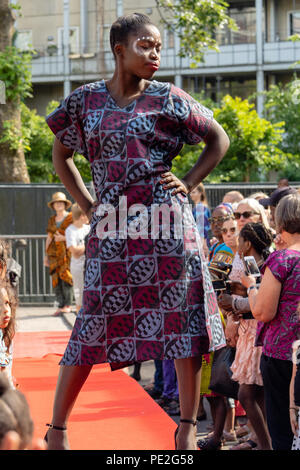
column 250, row 210
column 221, row 213
column 230, row 234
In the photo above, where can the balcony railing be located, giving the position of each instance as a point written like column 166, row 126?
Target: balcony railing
column 102, row 63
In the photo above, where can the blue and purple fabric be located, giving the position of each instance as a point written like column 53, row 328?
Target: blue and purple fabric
column 144, row 298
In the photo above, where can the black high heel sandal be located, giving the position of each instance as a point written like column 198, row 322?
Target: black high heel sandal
column 177, row 429
column 57, row 428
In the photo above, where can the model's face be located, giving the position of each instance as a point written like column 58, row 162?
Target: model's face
column 246, row 214
column 141, row 54
column 230, row 233
column 5, row 310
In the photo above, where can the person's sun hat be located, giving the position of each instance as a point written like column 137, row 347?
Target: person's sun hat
column 59, row 197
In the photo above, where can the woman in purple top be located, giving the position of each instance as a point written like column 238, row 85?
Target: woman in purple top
column 275, row 305
column 146, row 296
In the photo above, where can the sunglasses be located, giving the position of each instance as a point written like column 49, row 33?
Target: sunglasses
column 231, row 230
column 216, row 220
column 246, row 214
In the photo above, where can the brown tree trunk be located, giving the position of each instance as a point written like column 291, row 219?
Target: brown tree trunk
column 12, row 162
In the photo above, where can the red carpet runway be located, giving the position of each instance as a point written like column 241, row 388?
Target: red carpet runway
column 113, row 412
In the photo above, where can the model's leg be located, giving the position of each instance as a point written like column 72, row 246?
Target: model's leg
column 189, row 380
column 69, row 384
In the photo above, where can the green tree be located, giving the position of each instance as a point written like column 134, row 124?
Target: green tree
column 38, row 143
column 283, row 102
column 16, row 76
column 195, row 22
column 36, row 140
column 254, row 148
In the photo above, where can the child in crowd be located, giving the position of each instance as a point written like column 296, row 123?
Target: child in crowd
column 8, row 305
column 75, row 235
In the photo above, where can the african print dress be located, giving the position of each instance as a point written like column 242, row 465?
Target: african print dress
column 147, row 292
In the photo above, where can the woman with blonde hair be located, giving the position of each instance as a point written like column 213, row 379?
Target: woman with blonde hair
column 250, row 210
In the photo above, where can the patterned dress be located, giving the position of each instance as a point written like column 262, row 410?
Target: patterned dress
column 147, row 292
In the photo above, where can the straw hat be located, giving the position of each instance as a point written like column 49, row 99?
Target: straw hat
column 59, row 197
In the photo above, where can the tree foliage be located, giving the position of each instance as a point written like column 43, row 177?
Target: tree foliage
column 195, row 22
column 15, row 72
column 38, row 142
column 283, row 102
column 254, row 144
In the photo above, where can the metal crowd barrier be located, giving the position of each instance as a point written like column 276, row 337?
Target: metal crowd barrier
column 34, row 285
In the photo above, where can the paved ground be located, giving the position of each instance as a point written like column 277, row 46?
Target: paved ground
column 42, row 319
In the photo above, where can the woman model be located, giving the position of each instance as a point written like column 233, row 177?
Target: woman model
column 143, row 297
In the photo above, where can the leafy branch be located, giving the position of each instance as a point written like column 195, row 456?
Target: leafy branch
column 195, row 22
column 15, row 72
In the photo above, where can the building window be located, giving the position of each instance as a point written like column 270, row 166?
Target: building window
column 73, row 40
column 23, row 40
column 217, row 87
column 169, row 39
column 103, row 41
column 294, row 22
column 244, row 15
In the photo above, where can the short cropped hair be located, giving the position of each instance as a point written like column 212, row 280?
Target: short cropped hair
column 76, row 211
column 233, row 196
column 126, row 25
column 287, row 214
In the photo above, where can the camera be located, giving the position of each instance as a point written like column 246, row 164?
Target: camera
column 219, row 273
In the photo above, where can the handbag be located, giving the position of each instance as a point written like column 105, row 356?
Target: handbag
column 220, row 380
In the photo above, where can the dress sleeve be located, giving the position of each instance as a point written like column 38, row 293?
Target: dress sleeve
column 193, row 118
column 278, row 264
column 66, row 124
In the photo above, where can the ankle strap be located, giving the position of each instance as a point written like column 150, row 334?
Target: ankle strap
column 190, row 421
column 58, row 428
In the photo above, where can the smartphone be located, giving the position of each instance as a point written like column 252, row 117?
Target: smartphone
column 251, row 266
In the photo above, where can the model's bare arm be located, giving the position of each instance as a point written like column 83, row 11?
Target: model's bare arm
column 217, row 144
column 69, row 175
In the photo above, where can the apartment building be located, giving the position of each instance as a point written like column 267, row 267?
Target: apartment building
column 71, row 40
